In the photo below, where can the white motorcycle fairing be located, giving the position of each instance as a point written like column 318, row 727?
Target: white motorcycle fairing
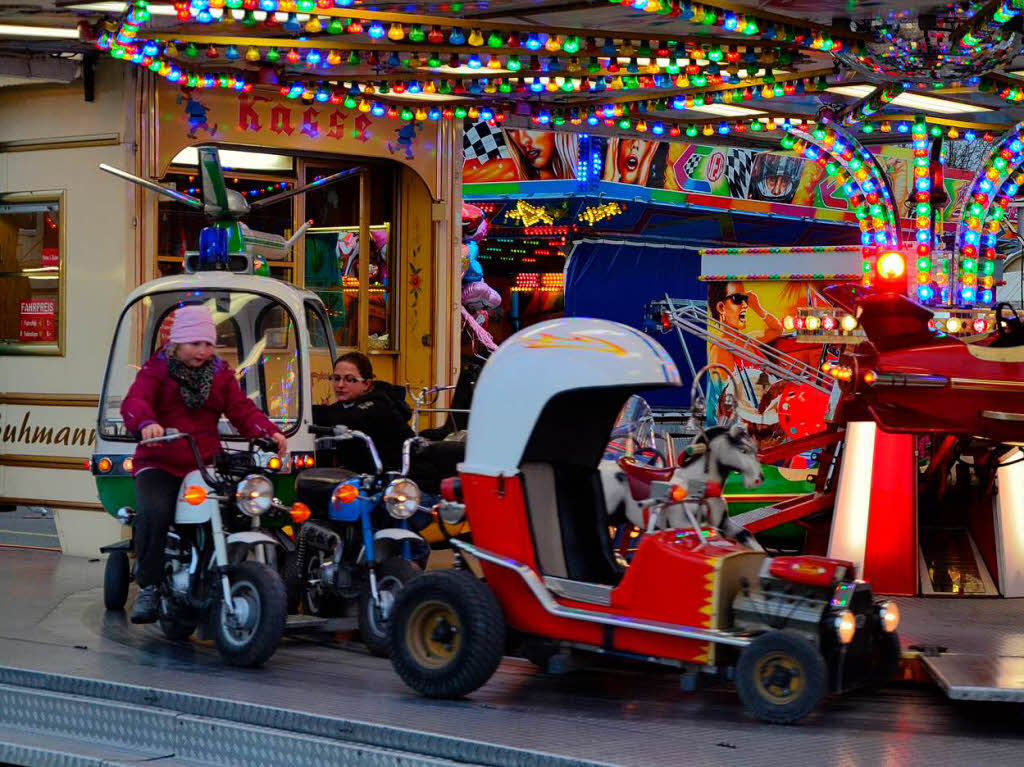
column 187, row 514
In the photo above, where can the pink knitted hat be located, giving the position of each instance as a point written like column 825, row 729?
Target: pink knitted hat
column 193, row 324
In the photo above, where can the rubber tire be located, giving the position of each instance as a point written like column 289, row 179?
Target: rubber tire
column 267, row 634
column 483, row 637
column 173, row 629
column 292, row 582
column 116, row 577
column 378, row 638
column 799, row 650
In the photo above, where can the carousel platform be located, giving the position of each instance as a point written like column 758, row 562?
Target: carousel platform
column 80, row 686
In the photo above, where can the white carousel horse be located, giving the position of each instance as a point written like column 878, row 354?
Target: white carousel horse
column 716, row 453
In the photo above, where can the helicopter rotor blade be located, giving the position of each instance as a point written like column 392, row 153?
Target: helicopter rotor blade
column 153, row 186
column 340, row 176
column 214, row 187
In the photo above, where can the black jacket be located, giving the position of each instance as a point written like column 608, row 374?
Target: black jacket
column 382, row 414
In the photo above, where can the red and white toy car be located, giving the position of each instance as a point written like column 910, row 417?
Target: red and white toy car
column 788, row 630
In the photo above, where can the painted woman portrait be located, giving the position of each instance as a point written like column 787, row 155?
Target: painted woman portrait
column 541, row 155
column 635, row 161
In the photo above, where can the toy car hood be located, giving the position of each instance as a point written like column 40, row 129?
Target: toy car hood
column 542, row 361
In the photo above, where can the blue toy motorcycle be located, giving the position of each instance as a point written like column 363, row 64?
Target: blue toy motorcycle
column 357, row 545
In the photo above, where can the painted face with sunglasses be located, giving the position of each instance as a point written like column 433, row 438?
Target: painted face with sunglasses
column 732, row 310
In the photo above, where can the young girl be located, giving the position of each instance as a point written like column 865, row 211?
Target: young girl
column 187, row 387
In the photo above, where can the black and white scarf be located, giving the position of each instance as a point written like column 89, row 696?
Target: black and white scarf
column 195, row 383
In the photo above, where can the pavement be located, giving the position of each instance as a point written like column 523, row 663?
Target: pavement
column 28, row 526
column 53, row 621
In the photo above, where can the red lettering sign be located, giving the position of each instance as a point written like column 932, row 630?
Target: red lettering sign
column 281, row 120
column 337, row 123
column 38, row 320
column 309, row 124
column 51, row 258
column 249, row 118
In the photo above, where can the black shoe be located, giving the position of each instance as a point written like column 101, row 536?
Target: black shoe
column 147, row 604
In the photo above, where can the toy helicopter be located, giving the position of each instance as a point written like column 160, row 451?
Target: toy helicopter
column 228, row 244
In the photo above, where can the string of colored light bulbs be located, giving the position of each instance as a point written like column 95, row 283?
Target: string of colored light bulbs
column 840, row 154
column 995, row 185
column 747, row 23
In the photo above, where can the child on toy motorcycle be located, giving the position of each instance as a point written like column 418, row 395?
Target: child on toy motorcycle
column 187, row 387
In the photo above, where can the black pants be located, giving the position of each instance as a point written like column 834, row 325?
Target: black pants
column 156, row 494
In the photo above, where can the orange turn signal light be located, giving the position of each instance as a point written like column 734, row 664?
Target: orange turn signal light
column 346, row 493
column 274, row 463
column 195, row 494
column 127, row 464
column 299, row 513
column 677, row 493
column 104, row 465
column 870, row 377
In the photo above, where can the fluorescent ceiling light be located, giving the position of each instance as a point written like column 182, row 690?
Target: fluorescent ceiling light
column 913, row 100
column 466, row 70
column 16, row 30
column 154, row 10
column 235, row 160
column 440, row 97
column 727, row 110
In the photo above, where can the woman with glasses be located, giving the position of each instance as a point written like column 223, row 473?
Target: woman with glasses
column 376, row 408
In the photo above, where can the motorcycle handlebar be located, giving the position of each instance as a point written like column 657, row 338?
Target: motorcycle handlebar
column 173, row 434
column 338, row 433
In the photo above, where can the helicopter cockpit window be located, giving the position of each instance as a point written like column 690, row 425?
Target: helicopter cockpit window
column 255, row 336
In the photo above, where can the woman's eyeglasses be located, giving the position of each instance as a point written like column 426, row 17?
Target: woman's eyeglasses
column 737, row 298
column 347, row 379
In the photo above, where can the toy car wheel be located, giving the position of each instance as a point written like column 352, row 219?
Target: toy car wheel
column 447, row 634
column 781, row 677
column 374, row 620
column 116, row 577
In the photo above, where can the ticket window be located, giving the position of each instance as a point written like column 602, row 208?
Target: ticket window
column 31, row 274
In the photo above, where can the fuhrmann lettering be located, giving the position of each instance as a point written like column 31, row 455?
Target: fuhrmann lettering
column 27, row 433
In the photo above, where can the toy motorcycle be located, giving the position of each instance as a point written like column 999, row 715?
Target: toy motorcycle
column 205, row 582
column 345, row 554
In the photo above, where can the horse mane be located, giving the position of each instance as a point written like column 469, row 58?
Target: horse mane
column 704, row 438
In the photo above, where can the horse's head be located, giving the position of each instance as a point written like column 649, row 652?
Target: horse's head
column 735, row 450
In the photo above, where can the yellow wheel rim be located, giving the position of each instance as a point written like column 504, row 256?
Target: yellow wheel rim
column 780, row 678
column 433, row 634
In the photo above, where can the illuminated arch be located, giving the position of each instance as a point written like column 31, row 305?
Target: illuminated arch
column 990, row 193
column 865, row 183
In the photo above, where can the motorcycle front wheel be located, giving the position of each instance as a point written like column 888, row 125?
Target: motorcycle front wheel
column 374, row 620
column 251, row 635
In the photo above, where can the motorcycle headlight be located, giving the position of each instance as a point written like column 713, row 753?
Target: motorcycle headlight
column 889, row 612
column 254, row 495
column 402, row 498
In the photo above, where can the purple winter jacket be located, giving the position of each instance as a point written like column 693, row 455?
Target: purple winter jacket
column 155, row 397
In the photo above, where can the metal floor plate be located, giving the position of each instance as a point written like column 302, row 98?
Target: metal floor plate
column 978, row 677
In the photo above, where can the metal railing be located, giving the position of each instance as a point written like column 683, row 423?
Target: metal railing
column 693, row 318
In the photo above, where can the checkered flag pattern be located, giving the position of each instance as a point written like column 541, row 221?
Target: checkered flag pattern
column 483, row 142
column 691, row 164
column 738, row 166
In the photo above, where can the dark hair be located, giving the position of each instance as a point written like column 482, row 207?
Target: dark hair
column 361, row 362
column 716, row 294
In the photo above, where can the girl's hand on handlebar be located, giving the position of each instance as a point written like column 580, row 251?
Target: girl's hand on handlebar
column 152, row 431
column 282, row 443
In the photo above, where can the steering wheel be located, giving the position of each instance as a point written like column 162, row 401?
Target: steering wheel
column 1013, row 326
column 654, row 453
